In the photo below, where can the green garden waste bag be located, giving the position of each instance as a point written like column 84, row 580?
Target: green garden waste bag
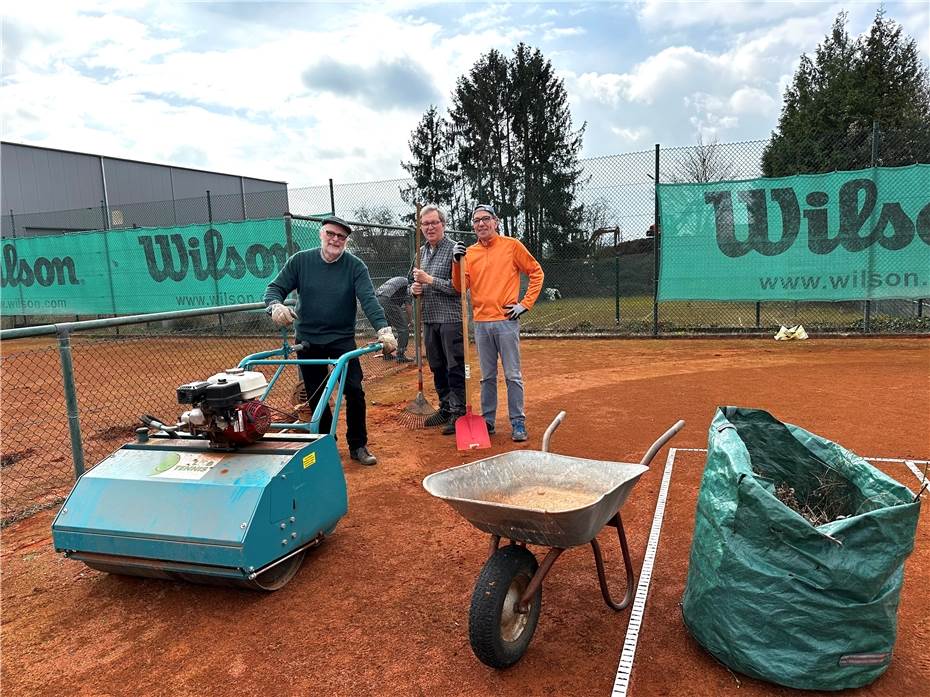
column 772, row 595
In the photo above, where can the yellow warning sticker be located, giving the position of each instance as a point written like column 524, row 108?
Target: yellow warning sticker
column 309, row 460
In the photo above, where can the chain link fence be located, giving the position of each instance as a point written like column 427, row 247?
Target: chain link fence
column 118, row 377
column 602, row 280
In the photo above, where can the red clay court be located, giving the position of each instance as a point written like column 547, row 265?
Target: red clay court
column 381, row 608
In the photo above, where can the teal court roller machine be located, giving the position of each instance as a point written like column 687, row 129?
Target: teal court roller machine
column 224, row 496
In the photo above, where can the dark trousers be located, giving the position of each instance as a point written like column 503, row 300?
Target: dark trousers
column 397, row 318
column 315, row 376
column 445, row 353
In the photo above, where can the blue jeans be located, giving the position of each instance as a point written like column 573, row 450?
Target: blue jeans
column 493, row 339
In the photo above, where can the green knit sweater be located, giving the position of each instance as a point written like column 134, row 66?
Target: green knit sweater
column 327, row 295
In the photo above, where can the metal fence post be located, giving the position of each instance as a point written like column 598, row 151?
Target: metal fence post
column 289, row 235
column 867, row 308
column 103, row 214
column 655, row 254
column 758, row 314
column 71, row 402
column 332, row 198
column 617, row 274
column 216, row 282
column 22, row 302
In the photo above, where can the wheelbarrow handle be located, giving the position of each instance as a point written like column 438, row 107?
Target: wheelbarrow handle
column 549, row 431
column 662, row 440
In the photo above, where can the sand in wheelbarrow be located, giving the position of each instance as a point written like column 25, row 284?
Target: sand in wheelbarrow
column 545, row 498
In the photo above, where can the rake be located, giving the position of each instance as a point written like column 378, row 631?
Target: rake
column 419, row 410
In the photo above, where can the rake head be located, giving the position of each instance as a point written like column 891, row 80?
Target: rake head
column 416, row 413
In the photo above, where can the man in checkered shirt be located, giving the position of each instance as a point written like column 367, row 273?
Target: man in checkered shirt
column 442, row 318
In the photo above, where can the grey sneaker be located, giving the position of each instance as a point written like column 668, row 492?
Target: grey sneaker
column 401, row 358
column 363, row 456
column 519, row 433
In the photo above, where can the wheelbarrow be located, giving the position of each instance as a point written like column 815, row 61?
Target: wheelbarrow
column 540, row 498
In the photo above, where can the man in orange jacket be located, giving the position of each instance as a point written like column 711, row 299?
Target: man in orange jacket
column 492, row 273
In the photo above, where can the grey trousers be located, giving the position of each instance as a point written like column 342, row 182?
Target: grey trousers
column 500, row 339
column 397, row 318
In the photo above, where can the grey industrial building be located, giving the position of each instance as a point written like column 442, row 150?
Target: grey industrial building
column 46, row 191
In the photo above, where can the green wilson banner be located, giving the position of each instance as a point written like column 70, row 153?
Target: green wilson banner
column 148, row 269
column 839, row 236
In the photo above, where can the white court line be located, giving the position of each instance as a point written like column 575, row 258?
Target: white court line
column 895, row 459
column 912, row 466
column 870, row 459
column 625, row 668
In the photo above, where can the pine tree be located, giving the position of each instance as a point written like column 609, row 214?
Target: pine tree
column 508, row 142
column 894, row 90
column 430, row 149
column 830, row 107
column 482, row 122
column 547, row 150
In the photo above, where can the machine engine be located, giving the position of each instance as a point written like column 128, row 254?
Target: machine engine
column 226, row 408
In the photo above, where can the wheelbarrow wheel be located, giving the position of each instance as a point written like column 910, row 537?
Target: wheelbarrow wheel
column 499, row 634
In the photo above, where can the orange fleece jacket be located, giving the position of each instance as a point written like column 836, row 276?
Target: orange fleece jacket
column 492, row 273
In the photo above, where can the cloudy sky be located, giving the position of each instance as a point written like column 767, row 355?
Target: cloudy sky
column 302, row 92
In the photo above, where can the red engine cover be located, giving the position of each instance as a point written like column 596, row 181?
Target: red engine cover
column 253, row 418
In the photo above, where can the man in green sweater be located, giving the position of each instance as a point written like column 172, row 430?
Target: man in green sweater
column 330, row 283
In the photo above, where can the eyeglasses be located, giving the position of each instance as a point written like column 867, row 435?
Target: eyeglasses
column 336, row 235
column 481, row 219
column 431, row 223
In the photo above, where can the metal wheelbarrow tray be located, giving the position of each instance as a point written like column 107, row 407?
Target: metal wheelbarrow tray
column 537, row 497
column 542, row 498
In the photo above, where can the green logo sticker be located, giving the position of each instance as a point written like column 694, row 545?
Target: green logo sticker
column 167, row 462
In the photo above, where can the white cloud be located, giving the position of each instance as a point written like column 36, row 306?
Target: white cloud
column 660, row 14
column 220, row 85
column 752, row 100
column 630, row 135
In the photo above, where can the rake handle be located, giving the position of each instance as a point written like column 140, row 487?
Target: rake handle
column 418, row 309
column 466, row 350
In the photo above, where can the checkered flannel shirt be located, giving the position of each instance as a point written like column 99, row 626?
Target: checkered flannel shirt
column 441, row 302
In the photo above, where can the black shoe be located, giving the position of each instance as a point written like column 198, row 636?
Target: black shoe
column 490, row 429
column 388, row 357
column 401, row 358
column 363, row 456
column 449, row 428
column 437, row 419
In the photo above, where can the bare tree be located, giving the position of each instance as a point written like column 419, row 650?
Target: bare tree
column 372, row 240
column 598, row 225
column 703, row 163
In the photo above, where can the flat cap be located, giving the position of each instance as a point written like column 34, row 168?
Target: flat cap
column 336, row 220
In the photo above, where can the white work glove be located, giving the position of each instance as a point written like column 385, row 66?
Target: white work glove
column 514, row 311
column 386, row 337
column 281, row 314
column 458, row 251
